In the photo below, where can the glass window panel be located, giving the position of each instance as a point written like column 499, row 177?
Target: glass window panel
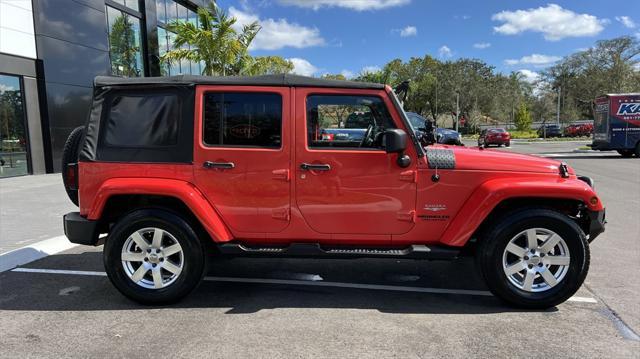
column 13, row 134
column 125, row 50
column 182, row 13
column 347, row 121
column 174, row 67
column 132, row 4
column 193, row 17
column 243, row 119
column 161, row 10
column 172, row 11
column 163, row 48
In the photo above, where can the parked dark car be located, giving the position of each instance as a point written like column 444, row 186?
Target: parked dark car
column 494, row 136
column 443, row 135
column 550, row 131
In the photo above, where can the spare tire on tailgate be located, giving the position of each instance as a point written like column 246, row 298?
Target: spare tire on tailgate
column 70, row 156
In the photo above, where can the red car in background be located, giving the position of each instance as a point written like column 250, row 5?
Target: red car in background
column 578, row 130
column 494, row 136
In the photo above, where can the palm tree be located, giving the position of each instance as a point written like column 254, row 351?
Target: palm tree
column 214, row 42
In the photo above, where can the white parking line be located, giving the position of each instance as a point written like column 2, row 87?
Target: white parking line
column 307, row 283
column 60, row 271
column 34, row 252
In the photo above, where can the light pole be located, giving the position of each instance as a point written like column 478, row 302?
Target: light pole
column 457, row 111
column 558, row 112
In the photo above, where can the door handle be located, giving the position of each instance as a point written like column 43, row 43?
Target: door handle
column 315, row 167
column 220, row 165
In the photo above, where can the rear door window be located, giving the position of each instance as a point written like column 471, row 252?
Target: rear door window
column 243, row 119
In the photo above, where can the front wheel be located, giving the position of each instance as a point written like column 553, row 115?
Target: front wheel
column 534, row 258
column 153, row 256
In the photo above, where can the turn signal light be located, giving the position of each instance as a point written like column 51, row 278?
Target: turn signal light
column 593, row 201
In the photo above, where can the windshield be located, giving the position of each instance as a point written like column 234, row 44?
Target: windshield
column 497, row 130
column 415, row 120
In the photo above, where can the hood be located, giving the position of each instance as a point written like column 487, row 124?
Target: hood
column 475, row 158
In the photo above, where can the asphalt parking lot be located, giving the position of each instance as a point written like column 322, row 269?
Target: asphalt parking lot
column 64, row 306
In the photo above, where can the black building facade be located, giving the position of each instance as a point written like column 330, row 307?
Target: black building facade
column 76, row 40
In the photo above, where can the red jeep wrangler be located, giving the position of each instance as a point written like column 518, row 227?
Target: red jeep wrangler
column 167, row 169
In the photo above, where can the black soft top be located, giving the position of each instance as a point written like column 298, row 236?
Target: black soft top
column 266, row 80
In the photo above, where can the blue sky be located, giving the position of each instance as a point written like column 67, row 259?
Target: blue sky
column 349, row 36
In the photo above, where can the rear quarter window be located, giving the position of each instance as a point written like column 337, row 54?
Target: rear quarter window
column 142, row 120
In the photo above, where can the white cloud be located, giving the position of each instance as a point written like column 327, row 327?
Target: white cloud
column 409, row 31
column 553, row 21
column 370, row 69
column 530, row 76
column 445, row 51
column 482, row 45
column 626, row 21
column 358, row 5
column 302, row 67
column 347, row 74
column 534, row 59
column 4, row 88
column 278, row 33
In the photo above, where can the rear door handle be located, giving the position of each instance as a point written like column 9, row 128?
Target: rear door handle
column 315, row 167
column 221, row 165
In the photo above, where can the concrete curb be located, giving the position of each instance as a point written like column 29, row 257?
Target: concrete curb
column 32, row 252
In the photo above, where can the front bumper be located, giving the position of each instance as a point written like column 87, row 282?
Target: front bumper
column 80, row 230
column 597, row 221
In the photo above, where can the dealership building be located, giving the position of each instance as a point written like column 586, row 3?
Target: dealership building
column 50, row 52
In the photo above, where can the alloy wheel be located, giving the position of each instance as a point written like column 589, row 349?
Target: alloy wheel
column 152, row 258
column 536, row 260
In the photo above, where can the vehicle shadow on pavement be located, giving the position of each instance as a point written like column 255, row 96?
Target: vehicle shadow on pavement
column 20, row 291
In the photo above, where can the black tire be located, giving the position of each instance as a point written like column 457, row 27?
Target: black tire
column 493, row 244
column 193, row 260
column 626, row 153
column 70, row 155
column 508, row 144
column 638, row 149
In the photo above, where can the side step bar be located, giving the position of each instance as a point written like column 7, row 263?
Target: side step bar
column 316, row 250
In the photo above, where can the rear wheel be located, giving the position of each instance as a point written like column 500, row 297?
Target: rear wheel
column 626, row 153
column 508, row 144
column 535, row 258
column 638, row 149
column 153, row 257
column 70, row 155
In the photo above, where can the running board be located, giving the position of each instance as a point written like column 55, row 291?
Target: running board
column 316, row 250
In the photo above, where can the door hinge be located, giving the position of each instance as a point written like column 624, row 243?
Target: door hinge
column 282, row 174
column 407, row 216
column 410, row 176
column 281, row 213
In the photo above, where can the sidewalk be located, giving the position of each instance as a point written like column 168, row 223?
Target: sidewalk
column 31, row 209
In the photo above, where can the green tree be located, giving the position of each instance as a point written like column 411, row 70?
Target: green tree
column 266, row 65
column 222, row 49
column 523, row 119
column 123, row 48
column 611, row 66
column 214, row 42
column 340, row 77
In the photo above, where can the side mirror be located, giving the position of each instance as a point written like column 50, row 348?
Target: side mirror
column 428, row 133
column 395, row 141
